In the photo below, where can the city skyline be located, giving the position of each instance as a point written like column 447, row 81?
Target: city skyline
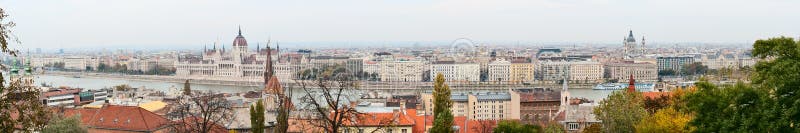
column 185, row 24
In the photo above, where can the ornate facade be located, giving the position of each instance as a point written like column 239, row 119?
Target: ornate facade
column 236, row 64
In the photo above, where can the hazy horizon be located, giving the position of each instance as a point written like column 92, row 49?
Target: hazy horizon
column 192, row 24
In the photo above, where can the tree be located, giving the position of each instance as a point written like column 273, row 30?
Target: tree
column 738, row 108
column 510, row 126
column 554, row 127
column 778, row 73
column 328, row 97
column 620, row 111
column 484, row 126
column 257, row 117
column 443, row 117
column 694, row 69
column 201, row 112
column 187, row 89
column 666, row 120
column 19, row 99
column 65, row 125
column 654, row 104
column 667, row 72
column 593, row 128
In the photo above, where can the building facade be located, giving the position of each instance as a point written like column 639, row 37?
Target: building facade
column 456, row 71
column 674, row 63
column 499, row 70
column 238, row 63
column 521, row 71
column 621, row 71
column 401, row 71
column 480, row 106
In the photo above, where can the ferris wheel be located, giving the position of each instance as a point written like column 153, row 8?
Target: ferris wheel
column 462, row 47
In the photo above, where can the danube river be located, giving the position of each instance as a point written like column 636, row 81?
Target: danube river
column 98, row 83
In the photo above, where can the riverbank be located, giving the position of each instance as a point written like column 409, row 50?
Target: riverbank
column 370, row 85
column 154, row 78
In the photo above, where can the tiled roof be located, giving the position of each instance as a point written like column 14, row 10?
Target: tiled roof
column 472, row 126
column 459, row 97
column 114, row 117
column 378, row 119
column 190, row 122
column 493, row 96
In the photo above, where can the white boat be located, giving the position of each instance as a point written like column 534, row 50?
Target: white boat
column 618, row 86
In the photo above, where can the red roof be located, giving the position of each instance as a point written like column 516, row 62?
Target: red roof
column 378, row 119
column 473, row 126
column 190, row 122
column 114, row 117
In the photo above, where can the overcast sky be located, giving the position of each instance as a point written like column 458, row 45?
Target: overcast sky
column 193, row 23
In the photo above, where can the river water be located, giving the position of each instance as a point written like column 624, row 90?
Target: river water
column 98, row 83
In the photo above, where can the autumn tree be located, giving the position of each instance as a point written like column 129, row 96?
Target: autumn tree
column 20, row 107
column 667, row 120
column 621, row 111
column 257, row 117
column 201, row 112
column 328, row 97
column 60, row 124
column 443, row 117
column 593, row 128
column 187, row 89
column 484, row 126
column 554, row 127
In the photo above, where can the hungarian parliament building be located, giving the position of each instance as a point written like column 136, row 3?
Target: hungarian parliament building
column 237, row 64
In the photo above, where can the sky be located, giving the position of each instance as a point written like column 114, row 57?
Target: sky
column 198, row 23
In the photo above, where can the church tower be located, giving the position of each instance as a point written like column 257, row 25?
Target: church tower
column 630, row 45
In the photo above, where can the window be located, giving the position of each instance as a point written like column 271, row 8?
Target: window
column 572, row 126
column 360, row 130
column 403, row 130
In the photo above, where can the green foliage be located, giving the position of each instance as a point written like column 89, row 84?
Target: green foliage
column 122, row 68
column 593, row 128
column 694, row 69
column 65, row 125
column 510, row 126
column 443, row 121
column 554, row 127
column 621, row 111
column 770, row 104
column 668, row 72
column 779, row 73
column 19, row 99
column 187, row 89
column 257, row 117
column 738, row 108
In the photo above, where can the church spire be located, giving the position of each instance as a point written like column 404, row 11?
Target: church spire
column 269, row 71
column 240, row 30
column 631, row 84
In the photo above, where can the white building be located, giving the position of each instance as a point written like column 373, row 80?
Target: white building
column 456, row 71
column 405, row 71
column 580, row 71
column 621, row 71
column 719, row 61
column 236, row 64
column 499, row 70
column 480, row 106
